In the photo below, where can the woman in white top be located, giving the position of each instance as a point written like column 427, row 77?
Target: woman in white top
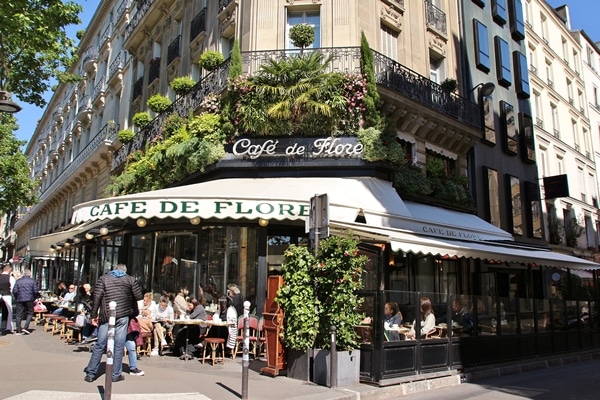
column 427, row 319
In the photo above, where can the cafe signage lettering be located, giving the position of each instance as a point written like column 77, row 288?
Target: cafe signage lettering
column 217, row 208
column 452, row 233
column 330, row 147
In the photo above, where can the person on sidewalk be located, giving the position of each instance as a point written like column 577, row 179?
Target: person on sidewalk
column 7, row 282
column 123, row 289
column 26, row 290
column 163, row 316
column 134, row 339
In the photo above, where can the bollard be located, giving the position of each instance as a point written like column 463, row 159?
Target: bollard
column 245, row 354
column 110, row 348
column 333, row 367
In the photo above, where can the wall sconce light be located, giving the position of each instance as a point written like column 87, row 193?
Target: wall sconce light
column 263, row 222
column 141, row 222
column 58, row 247
column 195, row 221
column 486, row 89
column 104, row 231
column 52, row 249
column 89, row 236
column 67, row 244
column 76, row 240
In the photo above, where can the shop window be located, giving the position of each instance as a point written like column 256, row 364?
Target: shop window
column 482, row 46
column 521, row 75
column 527, row 138
column 499, row 12
column 517, row 25
column 509, row 130
column 502, row 62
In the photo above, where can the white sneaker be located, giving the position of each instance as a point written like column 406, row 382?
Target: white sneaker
column 154, row 352
column 136, row 371
column 163, row 342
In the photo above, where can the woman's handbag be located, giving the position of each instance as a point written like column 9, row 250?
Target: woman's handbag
column 81, row 320
column 38, row 306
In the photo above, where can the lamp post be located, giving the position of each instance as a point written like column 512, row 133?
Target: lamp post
column 6, row 103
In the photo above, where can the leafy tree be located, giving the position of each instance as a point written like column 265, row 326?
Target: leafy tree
column 235, row 62
column 16, row 188
column 302, row 35
column 34, row 46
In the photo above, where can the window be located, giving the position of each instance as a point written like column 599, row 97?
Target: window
column 437, row 72
column 493, row 197
column 389, row 42
column 555, row 125
column 517, row 26
column 502, row 61
column 509, row 129
column 549, row 75
column 521, row 75
column 480, row 3
column 544, row 28
column 499, row 11
column 526, row 130
column 576, row 62
column 565, row 50
column 482, row 47
column 581, row 183
column 515, row 201
column 575, row 135
column 311, row 18
column 488, row 119
column 570, row 92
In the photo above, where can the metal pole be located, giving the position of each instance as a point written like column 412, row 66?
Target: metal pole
column 245, row 354
column 110, row 350
column 333, row 367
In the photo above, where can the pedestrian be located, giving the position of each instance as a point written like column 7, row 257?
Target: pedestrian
column 26, row 290
column 123, row 289
column 7, row 282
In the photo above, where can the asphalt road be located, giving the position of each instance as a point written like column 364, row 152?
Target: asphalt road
column 579, row 381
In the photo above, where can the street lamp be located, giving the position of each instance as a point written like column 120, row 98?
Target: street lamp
column 486, row 89
column 6, row 103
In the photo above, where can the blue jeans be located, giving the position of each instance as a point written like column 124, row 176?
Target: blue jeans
column 131, row 353
column 120, row 337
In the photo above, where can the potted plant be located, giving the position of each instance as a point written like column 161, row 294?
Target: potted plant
column 449, row 85
column 555, row 229
column 183, row 84
column 158, row 103
column 141, row 119
column 320, row 291
column 125, row 135
column 210, row 60
column 302, row 35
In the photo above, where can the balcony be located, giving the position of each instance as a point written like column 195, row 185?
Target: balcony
column 224, row 4
column 435, row 18
column 122, row 9
column 138, row 88
column 57, row 116
column 154, row 70
column 107, row 34
column 556, row 133
column 84, row 110
column 415, row 103
column 99, row 93
column 89, row 60
column 533, row 69
column 115, row 71
column 148, row 13
column 173, row 52
column 539, row 123
column 198, row 25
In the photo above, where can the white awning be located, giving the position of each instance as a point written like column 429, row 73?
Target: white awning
column 402, row 240
column 39, row 246
column 268, row 198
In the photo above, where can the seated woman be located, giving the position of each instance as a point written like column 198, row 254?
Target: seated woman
column 392, row 319
column 427, row 319
column 190, row 333
column 162, row 315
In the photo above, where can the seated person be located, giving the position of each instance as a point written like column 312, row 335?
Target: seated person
column 162, row 315
column 147, row 303
column 190, row 333
column 392, row 319
column 427, row 319
column 65, row 301
column 461, row 315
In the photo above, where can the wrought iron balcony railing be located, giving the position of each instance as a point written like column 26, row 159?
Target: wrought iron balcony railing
column 122, row 8
column 116, row 65
column 141, row 11
column 198, row 24
column 388, row 73
column 173, row 51
column 138, row 87
column 154, row 70
column 223, row 4
column 434, row 17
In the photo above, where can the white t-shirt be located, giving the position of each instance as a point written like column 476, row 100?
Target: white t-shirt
column 158, row 314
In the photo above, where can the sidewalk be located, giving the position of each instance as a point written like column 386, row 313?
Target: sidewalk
column 41, row 367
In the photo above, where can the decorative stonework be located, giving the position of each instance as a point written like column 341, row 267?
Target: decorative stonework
column 437, row 44
column 391, row 16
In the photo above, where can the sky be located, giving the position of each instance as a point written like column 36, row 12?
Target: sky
column 584, row 15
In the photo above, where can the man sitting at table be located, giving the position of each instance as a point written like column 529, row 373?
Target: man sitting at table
column 68, row 298
column 162, row 315
column 190, row 333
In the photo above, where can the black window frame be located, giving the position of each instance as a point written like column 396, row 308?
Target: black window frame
column 527, row 137
column 503, row 67
column 517, row 19
column 500, row 11
column 482, row 58
column 522, row 86
column 509, row 128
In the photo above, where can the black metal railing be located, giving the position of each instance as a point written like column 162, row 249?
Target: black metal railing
column 106, row 34
column 154, row 70
column 173, row 50
column 141, row 11
column 137, row 88
column 122, row 8
column 388, row 73
column 99, row 89
column 434, row 17
column 90, row 55
column 223, row 4
column 116, row 65
column 198, row 24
